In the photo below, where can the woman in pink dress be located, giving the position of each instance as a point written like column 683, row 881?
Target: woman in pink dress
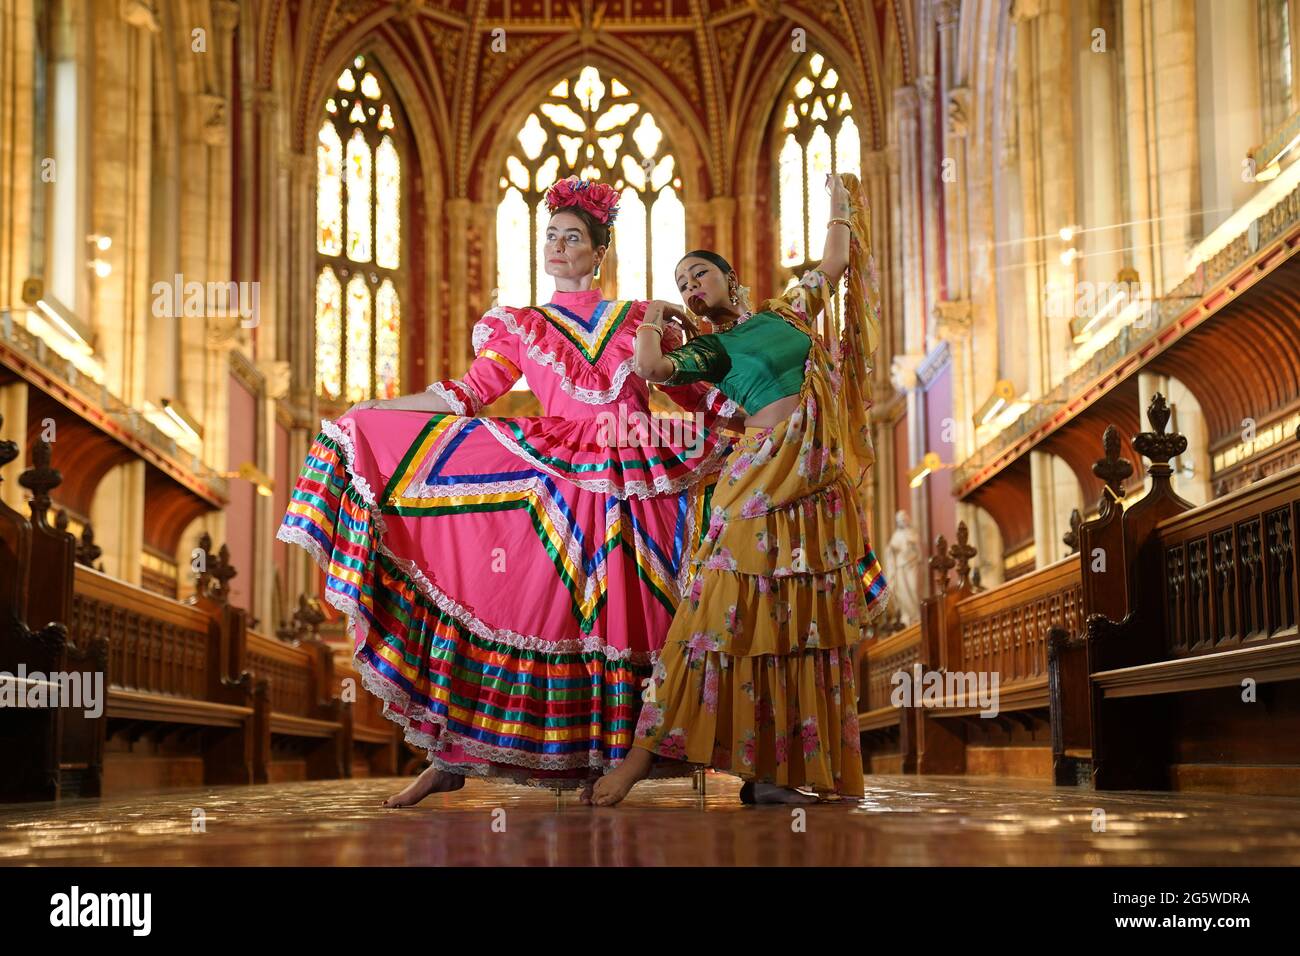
column 509, row 581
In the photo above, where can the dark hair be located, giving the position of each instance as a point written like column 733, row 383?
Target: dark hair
column 596, row 230
column 713, row 257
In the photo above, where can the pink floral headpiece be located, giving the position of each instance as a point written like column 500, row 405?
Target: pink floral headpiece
column 594, row 197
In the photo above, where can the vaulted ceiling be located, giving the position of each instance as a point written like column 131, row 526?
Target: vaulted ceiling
column 468, row 70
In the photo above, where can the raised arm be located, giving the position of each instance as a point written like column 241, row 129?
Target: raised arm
column 835, row 257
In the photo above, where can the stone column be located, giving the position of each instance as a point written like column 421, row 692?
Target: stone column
column 912, row 266
column 19, row 171
column 117, row 513
column 459, row 309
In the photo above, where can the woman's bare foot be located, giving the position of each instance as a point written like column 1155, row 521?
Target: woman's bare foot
column 767, row 793
column 585, row 794
column 432, row 780
column 615, row 785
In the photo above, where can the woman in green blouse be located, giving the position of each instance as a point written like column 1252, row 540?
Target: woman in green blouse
column 756, row 677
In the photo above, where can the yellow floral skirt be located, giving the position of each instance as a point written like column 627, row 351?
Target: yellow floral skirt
column 757, row 677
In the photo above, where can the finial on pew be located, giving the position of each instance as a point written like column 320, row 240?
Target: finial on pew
column 87, row 550
column 940, row 564
column 960, row 555
column 40, row 480
column 1157, row 446
column 1071, row 537
column 1113, row 469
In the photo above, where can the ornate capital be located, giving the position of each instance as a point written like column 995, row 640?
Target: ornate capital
column 958, row 110
column 140, row 13
column 214, row 118
column 906, row 102
column 925, row 87
column 296, row 164
column 947, row 13
column 902, row 371
column 952, row 319
column 1022, row 10
column 223, row 331
column 264, row 100
column 276, row 374
column 225, row 14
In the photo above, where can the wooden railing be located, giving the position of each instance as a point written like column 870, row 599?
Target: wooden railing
column 1004, row 630
column 1230, row 569
column 155, row 645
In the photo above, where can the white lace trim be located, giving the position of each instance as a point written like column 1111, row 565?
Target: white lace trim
column 662, row 484
column 344, row 441
column 453, row 402
column 729, row 407
column 529, row 338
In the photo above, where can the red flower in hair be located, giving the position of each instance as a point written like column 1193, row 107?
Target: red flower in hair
column 595, row 197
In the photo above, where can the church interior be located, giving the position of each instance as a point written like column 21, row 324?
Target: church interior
column 225, row 220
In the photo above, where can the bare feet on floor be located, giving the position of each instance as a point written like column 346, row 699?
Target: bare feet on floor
column 585, row 794
column 432, row 780
column 615, row 785
column 767, row 793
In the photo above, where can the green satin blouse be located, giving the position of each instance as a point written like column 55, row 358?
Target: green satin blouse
column 754, row 364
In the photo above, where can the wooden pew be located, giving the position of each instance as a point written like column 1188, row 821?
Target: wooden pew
column 888, row 732
column 175, row 716
column 1004, row 632
column 52, row 751
column 1197, row 684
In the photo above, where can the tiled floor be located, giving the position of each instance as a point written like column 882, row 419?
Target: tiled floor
column 906, row 821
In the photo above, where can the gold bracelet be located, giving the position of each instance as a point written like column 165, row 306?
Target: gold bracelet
column 834, row 221
column 654, row 328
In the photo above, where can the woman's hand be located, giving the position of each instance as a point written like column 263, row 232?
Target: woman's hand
column 840, row 206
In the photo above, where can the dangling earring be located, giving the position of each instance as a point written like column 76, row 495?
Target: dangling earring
column 735, row 298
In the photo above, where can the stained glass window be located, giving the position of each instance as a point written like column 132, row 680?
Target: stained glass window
column 589, row 124
column 817, row 136
column 359, row 199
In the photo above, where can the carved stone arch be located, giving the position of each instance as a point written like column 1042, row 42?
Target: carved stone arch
column 421, row 229
column 432, row 141
column 754, row 160
column 903, row 33
column 519, row 95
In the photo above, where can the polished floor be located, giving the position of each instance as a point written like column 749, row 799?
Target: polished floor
column 905, row 821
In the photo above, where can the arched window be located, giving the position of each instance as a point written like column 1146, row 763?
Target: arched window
column 817, row 136
column 360, row 265
column 590, row 125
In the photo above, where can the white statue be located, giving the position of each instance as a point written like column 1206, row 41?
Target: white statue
column 902, row 564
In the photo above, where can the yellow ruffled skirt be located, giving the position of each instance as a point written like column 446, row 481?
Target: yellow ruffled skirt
column 757, row 676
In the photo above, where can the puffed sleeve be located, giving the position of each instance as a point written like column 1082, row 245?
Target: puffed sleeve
column 702, row 359
column 496, row 367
